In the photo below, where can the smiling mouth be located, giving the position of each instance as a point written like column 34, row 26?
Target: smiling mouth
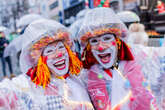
column 60, row 65
column 105, row 58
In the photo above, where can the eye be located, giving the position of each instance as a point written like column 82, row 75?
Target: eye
column 61, row 47
column 48, row 51
column 93, row 41
column 106, row 38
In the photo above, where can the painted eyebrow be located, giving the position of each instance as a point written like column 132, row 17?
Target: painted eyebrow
column 49, row 47
column 105, row 34
column 52, row 46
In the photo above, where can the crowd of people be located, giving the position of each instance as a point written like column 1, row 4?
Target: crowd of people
column 99, row 67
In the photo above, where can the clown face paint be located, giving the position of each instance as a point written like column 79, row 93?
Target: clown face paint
column 104, row 49
column 57, row 58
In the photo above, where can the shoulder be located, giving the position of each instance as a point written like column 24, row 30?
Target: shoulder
column 21, row 80
column 83, row 76
column 18, row 83
column 83, row 73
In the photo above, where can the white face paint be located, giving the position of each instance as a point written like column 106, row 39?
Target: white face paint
column 57, row 58
column 104, row 49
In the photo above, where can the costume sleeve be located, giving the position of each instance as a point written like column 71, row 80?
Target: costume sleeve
column 83, row 77
column 159, row 86
column 141, row 97
column 152, row 61
column 10, row 93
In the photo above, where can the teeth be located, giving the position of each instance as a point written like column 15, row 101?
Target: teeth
column 102, row 55
column 59, row 63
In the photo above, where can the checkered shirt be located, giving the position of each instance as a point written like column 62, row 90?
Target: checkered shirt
column 52, row 103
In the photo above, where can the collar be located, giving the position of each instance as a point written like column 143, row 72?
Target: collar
column 62, row 77
column 108, row 72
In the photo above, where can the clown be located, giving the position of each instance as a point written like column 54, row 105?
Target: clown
column 51, row 68
column 112, row 77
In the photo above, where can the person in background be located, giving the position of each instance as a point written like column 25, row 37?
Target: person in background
column 3, row 44
column 137, row 34
column 149, row 58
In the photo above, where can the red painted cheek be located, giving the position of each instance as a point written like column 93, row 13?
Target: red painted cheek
column 113, row 43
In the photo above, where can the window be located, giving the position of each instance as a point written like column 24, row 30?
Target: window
column 53, row 5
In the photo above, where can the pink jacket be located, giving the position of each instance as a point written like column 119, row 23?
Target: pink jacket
column 101, row 96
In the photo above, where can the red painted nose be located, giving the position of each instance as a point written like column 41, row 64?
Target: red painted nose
column 100, row 48
column 59, row 55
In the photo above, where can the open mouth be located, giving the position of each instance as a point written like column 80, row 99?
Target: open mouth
column 105, row 58
column 60, row 65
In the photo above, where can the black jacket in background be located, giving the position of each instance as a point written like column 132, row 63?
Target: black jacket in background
column 2, row 42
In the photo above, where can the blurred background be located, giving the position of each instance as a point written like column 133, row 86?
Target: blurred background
column 65, row 11
column 15, row 15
